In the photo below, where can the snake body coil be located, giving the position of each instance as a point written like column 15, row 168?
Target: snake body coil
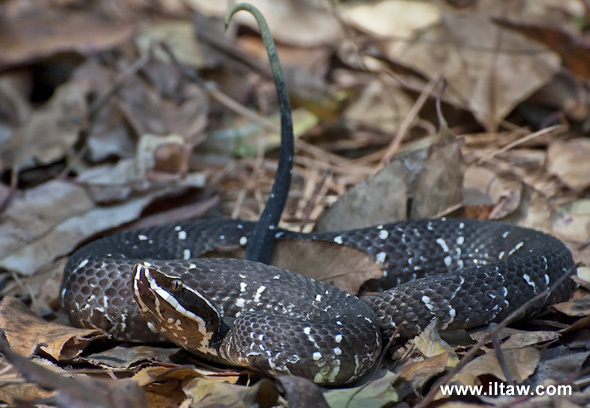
column 463, row 273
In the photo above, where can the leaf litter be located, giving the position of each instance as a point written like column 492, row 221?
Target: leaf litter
column 119, row 137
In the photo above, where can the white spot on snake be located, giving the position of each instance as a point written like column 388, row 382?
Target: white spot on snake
column 504, row 291
column 428, row 303
column 338, row 338
column 460, row 240
column 380, row 257
column 307, row 330
column 177, row 228
column 258, row 293
column 152, row 328
column 547, row 280
column 318, row 378
column 338, row 239
column 518, row 246
column 316, row 355
column 318, row 298
column 243, row 241
column 383, row 234
column 452, row 314
column 528, row 280
column 181, row 234
column 379, row 227
column 337, row 351
column 142, row 237
column 240, row 302
column 192, row 266
column 505, row 234
column 385, row 273
column 186, row 254
column 243, row 286
column 448, row 261
column 443, row 244
column 83, row 263
column 461, row 225
column 501, row 255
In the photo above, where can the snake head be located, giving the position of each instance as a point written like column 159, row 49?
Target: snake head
column 180, row 313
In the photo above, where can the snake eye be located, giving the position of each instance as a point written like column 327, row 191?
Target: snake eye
column 176, row 285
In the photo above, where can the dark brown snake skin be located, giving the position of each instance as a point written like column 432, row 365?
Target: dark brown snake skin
column 463, row 273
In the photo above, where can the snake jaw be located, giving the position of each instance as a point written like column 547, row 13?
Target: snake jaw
column 178, row 312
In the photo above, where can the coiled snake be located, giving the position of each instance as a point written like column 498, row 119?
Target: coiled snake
column 463, row 273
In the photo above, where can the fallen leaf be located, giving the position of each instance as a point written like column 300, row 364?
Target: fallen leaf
column 48, row 33
column 381, row 106
column 392, row 18
column 28, row 333
column 78, row 392
column 521, row 364
column 180, row 37
column 375, row 394
column 470, row 51
column 344, row 267
column 52, row 226
column 49, row 132
column 358, row 208
column 418, row 373
column 301, row 392
column 571, row 221
column 126, row 357
column 307, row 24
column 206, row 392
column 569, row 161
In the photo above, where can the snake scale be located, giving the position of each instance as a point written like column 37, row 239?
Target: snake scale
column 148, row 285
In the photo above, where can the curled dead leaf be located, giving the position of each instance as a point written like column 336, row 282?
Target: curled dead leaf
column 344, row 267
column 28, row 333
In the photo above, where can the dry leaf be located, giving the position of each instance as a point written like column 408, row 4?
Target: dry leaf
column 399, row 19
column 49, row 132
column 569, row 161
column 48, row 33
column 302, row 22
column 521, row 364
column 470, row 51
column 27, row 333
column 344, row 267
column 205, row 392
column 180, row 37
column 52, row 226
column 78, row 392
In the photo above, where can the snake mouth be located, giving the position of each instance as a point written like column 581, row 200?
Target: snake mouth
column 180, row 313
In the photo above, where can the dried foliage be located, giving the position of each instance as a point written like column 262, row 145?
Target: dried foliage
column 120, row 113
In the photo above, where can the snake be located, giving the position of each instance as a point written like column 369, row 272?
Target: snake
column 153, row 284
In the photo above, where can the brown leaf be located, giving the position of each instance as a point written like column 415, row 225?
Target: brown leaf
column 78, row 392
column 126, row 357
column 379, row 199
column 49, row 132
column 28, row 333
column 470, row 50
column 419, row 373
column 49, row 220
column 431, row 177
column 48, row 33
column 205, row 392
column 344, row 267
column 521, row 364
column 569, row 161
